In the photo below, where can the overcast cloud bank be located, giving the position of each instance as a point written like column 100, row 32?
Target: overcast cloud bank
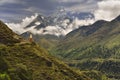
column 107, row 10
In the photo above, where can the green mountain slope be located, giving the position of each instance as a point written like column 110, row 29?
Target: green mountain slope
column 99, row 35
column 28, row 61
column 96, row 46
column 6, row 35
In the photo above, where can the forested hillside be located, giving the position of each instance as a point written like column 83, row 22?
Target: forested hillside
column 93, row 47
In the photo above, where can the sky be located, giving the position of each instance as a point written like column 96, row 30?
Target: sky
column 21, row 12
column 16, row 10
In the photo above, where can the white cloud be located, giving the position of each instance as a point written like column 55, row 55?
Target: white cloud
column 107, row 10
column 61, row 29
column 87, row 21
column 19, row 27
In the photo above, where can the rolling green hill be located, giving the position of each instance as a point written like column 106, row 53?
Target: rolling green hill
column 93, row 47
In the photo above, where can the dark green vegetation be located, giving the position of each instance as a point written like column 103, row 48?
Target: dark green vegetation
column 93, row 47
column 29, row 62
column 22, row 60
column 6, row 35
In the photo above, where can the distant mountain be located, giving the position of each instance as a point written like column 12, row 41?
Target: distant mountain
column 58, row 24
column 24, row 60
column 47, row 31
column 96, row 33
column 92, row 47
column 96, row 46
column 48, row 25
column 40, row 22
column 86, row 30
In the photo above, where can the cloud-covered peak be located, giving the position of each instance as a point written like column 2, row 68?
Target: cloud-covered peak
column 84, row 12
column 38, row 24
column 19, row 27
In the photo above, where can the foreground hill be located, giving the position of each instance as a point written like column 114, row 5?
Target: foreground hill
column 6, row 35
column 93, row 47
column 27, row 61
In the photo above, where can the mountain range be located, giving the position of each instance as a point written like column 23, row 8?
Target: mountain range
column 24, row 60
column 100, row 33
column 92, row 47
column 47, row 31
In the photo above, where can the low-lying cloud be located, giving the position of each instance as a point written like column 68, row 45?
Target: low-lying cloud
column 19, row 27
column 62, row 29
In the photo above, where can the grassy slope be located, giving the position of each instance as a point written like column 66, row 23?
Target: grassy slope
column 28, row 61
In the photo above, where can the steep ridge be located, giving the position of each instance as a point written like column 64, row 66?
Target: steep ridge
column 6, row 35
column 40, row 22
column 28, row 61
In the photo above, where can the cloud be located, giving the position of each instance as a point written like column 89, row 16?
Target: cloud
column 47, row 7
column 80, row 5
column 63, row 28
column 107, row 10
column 19, row 27
column 2, row 2
column 87, row 21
